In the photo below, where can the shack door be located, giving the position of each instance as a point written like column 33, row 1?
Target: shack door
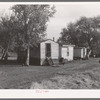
column 48, row 50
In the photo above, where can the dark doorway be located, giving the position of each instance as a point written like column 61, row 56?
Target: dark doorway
column 48, row 50
column 35, row 55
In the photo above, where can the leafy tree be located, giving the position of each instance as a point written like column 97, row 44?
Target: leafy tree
column 7, row 34
column 33, row 23
column 83, row 32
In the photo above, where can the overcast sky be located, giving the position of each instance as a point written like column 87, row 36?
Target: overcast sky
column 67, row 12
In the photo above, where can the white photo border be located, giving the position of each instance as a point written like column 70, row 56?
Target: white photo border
column 26, row 93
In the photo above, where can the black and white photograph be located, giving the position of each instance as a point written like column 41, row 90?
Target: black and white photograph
column 50, row 45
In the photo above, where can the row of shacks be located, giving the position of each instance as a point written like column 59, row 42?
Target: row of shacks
column 55, row 51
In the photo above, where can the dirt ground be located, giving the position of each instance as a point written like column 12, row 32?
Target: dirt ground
column 79, row 74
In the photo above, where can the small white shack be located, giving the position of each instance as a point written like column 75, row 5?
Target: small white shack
column 67, row 52
column 49, row 48
column 80, row 52
column 46, row 48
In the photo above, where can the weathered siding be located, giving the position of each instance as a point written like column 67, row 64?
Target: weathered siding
column 42, row 53
column 60, row 53
column 77, row 52
column 70, row 57
column 54, row 50
column 84, row 52
column 80, row 52
column 64, row 51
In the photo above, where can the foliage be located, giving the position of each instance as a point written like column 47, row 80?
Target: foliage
column 8, row 31
column 85, row 32
column 33, row 22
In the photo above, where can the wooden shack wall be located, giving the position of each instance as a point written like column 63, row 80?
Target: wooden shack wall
column 54, row 50
column 35, row 55
column 84, row 52
column 80, row 52
column 77, row 52
column 64, row 51
column 71, row 55
column 60, row 53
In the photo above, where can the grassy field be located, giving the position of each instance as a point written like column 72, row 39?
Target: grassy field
column 80, row 74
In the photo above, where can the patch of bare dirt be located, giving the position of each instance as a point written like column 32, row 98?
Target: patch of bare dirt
column 80, row 80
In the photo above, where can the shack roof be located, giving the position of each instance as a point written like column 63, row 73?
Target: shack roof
column 58, row 43
column 79, row 47
column 47, row 40
column 68, row 45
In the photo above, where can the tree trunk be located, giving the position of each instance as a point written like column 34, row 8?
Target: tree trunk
column 28, row 56
column 89, row 53
column 5, row 55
